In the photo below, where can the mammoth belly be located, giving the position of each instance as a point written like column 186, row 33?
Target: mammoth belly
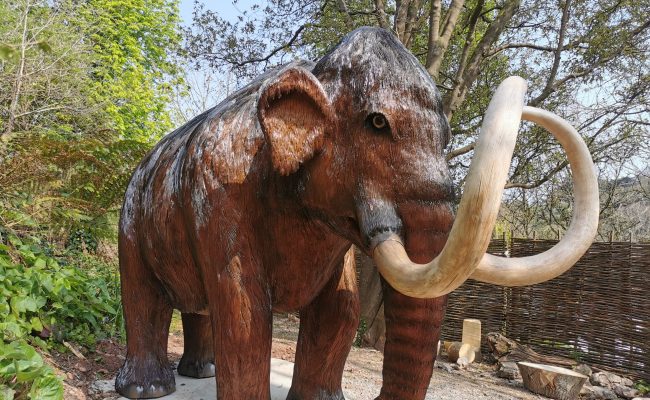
column 168, row 256
column 299, row 278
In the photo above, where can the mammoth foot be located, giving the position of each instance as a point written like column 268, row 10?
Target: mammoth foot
column 195, row 368
column 315, row 394
column 144, row 379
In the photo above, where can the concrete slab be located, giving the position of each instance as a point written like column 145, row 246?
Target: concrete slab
column 205, row 389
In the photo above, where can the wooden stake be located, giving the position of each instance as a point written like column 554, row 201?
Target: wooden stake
column 472, row 332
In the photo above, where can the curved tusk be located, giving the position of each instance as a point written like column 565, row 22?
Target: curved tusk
column 477, row 212
column 583, row 227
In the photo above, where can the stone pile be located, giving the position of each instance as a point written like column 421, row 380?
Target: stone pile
column 607, row 386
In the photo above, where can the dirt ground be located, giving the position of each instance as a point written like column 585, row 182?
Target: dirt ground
column 361, row 378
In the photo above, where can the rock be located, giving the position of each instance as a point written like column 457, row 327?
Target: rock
column 508, row 370
column 81, row 367
column 609, row 380
column 598, row 393
column 73, row 393
column 446, row 367
column 627, row 382
column 583, row 369
column 626, row 391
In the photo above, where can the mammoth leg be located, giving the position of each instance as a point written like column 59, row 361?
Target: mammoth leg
column 241, row 319
column 146, row 373
column 198, row 357
column 327, row 329
column 412, row 333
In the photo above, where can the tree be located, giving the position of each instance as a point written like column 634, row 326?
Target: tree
column 81, row 103
column 585, row 61
column 43, row 77
column 133, row 42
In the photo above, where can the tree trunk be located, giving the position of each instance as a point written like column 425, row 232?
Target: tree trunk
column 372, row 303
column 554, row 382
column 20, row 72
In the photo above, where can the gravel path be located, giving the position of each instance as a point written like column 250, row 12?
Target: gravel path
column 362, row 374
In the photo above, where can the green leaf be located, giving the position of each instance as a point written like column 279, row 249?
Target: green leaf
column 44, row 46
column 6, row 393
column 48, row 387
column 6, row 52
column 20, row 304
column 37, row 325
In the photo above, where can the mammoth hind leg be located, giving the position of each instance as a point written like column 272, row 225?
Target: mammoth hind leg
column 146, row 372
column 327, row 329
column 198, row 356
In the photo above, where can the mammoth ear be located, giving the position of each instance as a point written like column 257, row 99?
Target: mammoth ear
column 294, row 112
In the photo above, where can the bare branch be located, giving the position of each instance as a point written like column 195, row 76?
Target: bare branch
column 519, row 46
column 20, row 71
column 40, row 110
column 460, row 151
column 273, row 52
column 343, row 9
column 456, row 96
column 538, row 182
column 380, row 9
column 586, row 71
column 548, row 88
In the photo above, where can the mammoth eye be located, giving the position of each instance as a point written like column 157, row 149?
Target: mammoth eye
column 377, row 121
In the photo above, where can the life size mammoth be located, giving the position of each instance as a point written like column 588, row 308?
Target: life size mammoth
column 250, row 208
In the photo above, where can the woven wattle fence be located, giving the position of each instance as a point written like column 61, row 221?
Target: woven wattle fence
column 597, row 313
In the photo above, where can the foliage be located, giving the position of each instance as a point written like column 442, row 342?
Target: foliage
column 83, row 93
column 361, row 330
column 84, row 87
column 46, row 299
column 56, row 184
column 24, row 375
column 643, row 387
column 133, row 42
column 49, row 297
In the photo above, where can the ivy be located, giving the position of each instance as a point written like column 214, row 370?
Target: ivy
column 24, row 375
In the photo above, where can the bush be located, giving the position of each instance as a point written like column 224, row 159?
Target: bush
column 54, row 299
column 47, row 299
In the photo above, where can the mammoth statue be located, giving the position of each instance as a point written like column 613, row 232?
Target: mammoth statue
column 252, row 206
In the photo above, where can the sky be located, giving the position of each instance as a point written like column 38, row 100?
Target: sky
column 225, row 7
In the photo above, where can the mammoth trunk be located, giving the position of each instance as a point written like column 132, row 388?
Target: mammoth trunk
column 412, row 334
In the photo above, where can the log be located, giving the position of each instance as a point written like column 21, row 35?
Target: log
column 461, row 353
column 550, row 381
column 504, row 349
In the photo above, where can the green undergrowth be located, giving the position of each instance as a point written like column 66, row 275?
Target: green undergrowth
column 643, row 387
column 48, row 298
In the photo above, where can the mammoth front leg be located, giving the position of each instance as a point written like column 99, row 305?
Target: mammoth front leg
column 241, row 320
column 412, row 333
column 327, row 329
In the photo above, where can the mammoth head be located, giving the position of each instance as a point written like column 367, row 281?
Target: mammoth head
column 374, row 117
